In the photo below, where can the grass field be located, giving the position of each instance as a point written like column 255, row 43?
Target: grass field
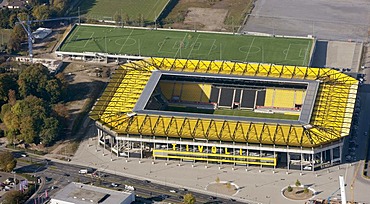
column 191, row 45
column 233, row 112
column 106, row 9
column 5, row 35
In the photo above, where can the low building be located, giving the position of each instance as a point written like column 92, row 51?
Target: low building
column 41, row 33
column 16, row 4
column 78, row 193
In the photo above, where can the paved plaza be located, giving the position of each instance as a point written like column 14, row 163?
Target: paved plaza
column 255, row 186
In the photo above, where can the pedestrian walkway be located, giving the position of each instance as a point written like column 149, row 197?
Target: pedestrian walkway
column 256, row 185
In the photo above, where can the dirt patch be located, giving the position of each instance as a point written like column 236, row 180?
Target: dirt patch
column 194, row 14
column 298, row 193
column 85, row 82
column 225, row 188
column 208, row 18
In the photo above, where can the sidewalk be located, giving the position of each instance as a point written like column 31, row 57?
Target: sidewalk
column 256, row 186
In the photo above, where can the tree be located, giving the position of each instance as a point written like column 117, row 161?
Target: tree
column 217, row 180
column 18, row 36
column 41, row 12
column 14, row 197
column 297, row 183
column 289, row 189
column 8, row 81
column 117, row 18
column 59, row 5
column 30, row 120
column 7, row 161
column 60, row 112
column 12, row 98
column 127, row 19
column 305, row 190
column 189, row 199
column 36, row 80
column 50, row 130
column 228, row 185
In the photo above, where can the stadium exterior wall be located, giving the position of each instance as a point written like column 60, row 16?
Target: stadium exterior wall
column 223, row 153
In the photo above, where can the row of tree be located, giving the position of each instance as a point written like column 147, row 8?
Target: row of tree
column 36, row 9
column 32, row 108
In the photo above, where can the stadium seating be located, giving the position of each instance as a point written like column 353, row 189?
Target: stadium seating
column 299, row 96
column 206, row 94
column 283, row 98
column 269, row 98
column 166, row 88
column 191, row 92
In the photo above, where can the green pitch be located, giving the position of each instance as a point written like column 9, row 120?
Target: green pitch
column 106, row 9
column 232, row 112
column 190, row 45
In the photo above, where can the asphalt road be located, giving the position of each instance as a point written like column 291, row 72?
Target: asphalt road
column 57, row 175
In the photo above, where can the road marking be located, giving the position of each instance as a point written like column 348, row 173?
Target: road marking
column 287, row 52
column 125, row 42
column 89, row 39
column 191, row 50
column 250, row 47
column 180, row 45
column 305, row 56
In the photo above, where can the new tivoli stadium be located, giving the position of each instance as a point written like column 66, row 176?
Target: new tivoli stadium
column 239, row 113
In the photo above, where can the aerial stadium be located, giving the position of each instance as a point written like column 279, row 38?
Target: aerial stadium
column 225, row 112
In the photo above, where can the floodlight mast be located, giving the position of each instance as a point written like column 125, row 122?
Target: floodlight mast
column 29, row 35
column 27, row 28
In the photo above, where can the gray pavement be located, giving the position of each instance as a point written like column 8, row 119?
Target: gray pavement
column 337, row 54
column 334, row 20
column 256, row 186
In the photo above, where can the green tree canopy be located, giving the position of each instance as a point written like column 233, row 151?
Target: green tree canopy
column 14, row 197
column 36, row 80
column 189, row 199
column 18, row 36
column 8, row 81
column 30, row 120
column 41, row 12
column 7, row 161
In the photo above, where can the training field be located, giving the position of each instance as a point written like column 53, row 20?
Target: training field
column 106, row 9
column 190, row 45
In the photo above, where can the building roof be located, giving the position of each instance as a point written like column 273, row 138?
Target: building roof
column 329, row 119
column 83, row 194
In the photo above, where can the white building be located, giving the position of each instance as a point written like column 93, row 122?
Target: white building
column 41, row 33
column 78, row 193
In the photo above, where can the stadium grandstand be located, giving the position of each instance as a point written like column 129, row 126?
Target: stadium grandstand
column 227, row 112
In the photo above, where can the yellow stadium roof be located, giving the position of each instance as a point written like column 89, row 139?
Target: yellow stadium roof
column 330, row 119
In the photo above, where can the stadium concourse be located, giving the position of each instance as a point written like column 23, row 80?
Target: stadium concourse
column 227, row 112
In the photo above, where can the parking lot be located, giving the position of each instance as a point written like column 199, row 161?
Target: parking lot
column 7, row 183
column 339, row 20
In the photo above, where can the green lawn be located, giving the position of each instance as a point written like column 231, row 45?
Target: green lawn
column 5, row 35
column 190, row 45
column 232, row 112
column 106, row 9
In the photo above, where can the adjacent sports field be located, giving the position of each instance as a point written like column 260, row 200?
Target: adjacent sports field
column 134, row 9
column 191, row 45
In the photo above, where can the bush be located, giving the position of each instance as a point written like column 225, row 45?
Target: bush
column 228, row 185
column 289, row 189
column 297, row 183
column 305, row 190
